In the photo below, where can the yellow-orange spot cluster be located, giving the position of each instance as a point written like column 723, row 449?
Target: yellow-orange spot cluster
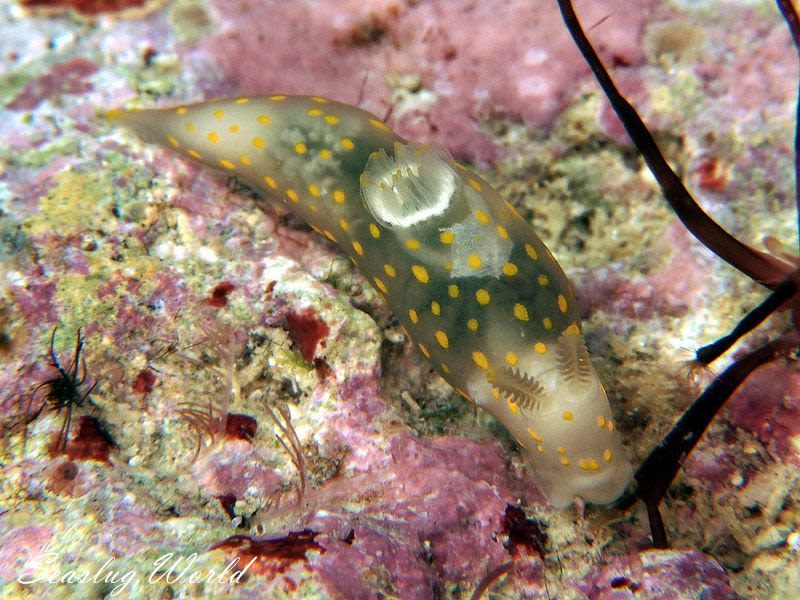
column 219, row 114
column 227, row 164
column 510, row 269
column 531, row 251
column 271, row 183
column 543, row 279
column 380, row 285
column 547, row 323
column 173, row 142
column 379, row 125
column 314, row 112
column 562, row 303
column 325, row 154
column 589, row 464
column 292, row 195
column 540, row 347
column 319, row 100
column 190, row 127
column 194, row 154
column 347, row 144
column 607, row 456
column 331, row 119
column 424, row 350
column 483, row 297
column 421, row 273
column 480, row 359
column 277, row 97
column 534, row 435
column 314, row 190
column 565, row 461
column 234, row 128
column 181, row 110
column 358, row 248
column 512, row 407
column 474, row 261
column 213, row 137
column 520, row 312
column 601, row 422
column 413, row 244
column 475, row 185
column 452, row 290
column 441, row 337
column 573, row 329
column 374, row 231
column 389, row 270
column 300, row 148
column 264, row 119
column 343, row 224
column 259, row 142
column 436, row 308
column 244, row 159
column 241, row 100
column 482, row 217
column 338, row 196
column 412, row 314
column 447, row 237
column 511, row 358
column 502, row 232
column 567, row 416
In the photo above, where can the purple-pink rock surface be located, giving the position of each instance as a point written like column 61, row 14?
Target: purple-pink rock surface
column 197, row 301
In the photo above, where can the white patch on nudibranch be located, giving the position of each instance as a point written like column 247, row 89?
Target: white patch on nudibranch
column 414, row 185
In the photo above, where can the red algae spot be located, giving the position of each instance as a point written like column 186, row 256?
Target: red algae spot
column 69, row 77
column 85, row 7
column 711, row 175
column 228, row 502
column 92, row 442
column 323, row 368
column 219, row 295
column 241, row 427
column 287, row 549
column 306, row 330
column 144, row 381
column 61, row 479
column 523, row 532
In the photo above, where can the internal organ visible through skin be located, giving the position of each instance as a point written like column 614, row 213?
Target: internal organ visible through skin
column 473, row 286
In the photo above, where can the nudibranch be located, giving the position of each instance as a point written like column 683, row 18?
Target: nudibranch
column 472, row 284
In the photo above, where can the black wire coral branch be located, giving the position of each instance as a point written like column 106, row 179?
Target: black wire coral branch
column 659, row 469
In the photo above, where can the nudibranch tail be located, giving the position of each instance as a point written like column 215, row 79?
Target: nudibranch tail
column 469, row 280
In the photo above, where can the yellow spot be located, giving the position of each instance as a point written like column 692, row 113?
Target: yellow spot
column 389, row 270
column 561, row 450
column 510, row 269
column 244, row 159
column 436, row 308
column 331, row 119
column 447, row 237
column 482, row 217
column 218, row 114
column 610, row 426
column 482, row 296
column 444, row 368
column 347, row 144
column 413, row 244
column 357, row 247
column 424, row 350
column 314, row 112
column 472, row 324
column 562, row 303
column 511, row 359
column 495, row 393
column 565, row 461
column 319, row 99
column 312, row 207
column 540, row 448
column 480, row 359
column 547, row 323
column 502, row 231
column 278, row 97
column 241, row 101
column 601, row 422
column 313, row 189
column 589, row 464
column 190, row 127
column 292, row 195
column 452, row 290
column 475, row 185
column 448, row 266
column 543, row 279
column 520, row 312
column 270, row 182
column 379, row 125
column 227, row 164
column 338, row 196
column 213, row 137
column 258, row 142
column 234, row 129
column 441, row 337
column 567, row 416
column 173, row 141
column 374, row 231
column 572, row 330
column 264, row 119
column 325, row 154
column 474, row 261
column 181, row 110
column 194, row 154
column 380, row 285
column 412, row 314
column 534, row 435
column 607, row 456
column 329, row 235
column 344, row 224
column 512, row 406
column 531, row 252
column 300, row 148
column 421, row 273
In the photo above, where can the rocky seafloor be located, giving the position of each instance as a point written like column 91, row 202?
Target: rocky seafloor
column 216, row 325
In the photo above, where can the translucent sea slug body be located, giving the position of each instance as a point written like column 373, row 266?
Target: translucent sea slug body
column 472, row 284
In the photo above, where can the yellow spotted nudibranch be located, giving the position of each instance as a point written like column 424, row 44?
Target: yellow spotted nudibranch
column 472, row 284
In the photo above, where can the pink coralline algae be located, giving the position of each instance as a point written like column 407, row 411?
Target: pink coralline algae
column 69, row 77
column 461, row 63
